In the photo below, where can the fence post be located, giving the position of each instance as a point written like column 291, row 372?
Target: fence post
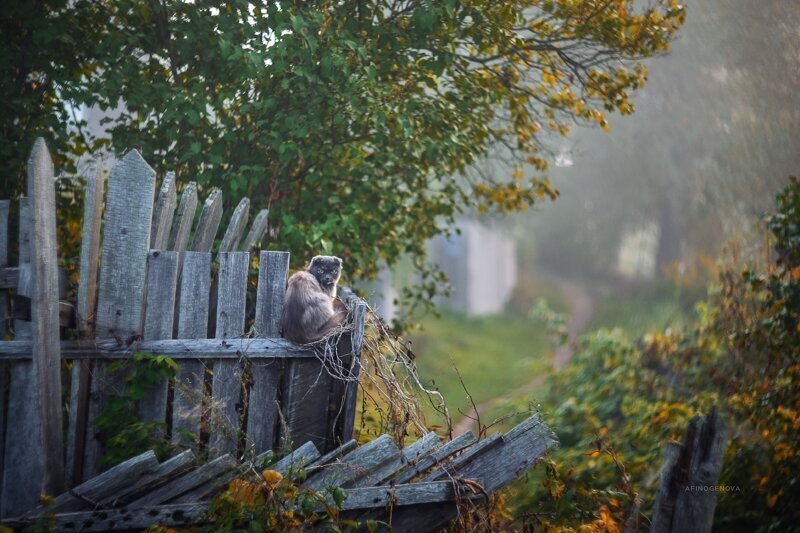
column 685, row 501
column 44, row 311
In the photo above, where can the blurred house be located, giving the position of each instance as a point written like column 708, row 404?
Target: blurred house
column 481, row 264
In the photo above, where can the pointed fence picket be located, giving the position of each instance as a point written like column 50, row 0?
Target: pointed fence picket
column 151, row 283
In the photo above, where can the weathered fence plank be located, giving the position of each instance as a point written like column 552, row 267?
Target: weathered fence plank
column 442, row 453
column 363, row 463
column 187, row 482
column 184, row 218
column 192, row 324
column 257, row 231
column 44, row 306
column 208, row 225
column 162, row 277
column 163, row 473
column 163, row 213
column 353, row 370
column 686, row 499
column 262, row 416
column 4, row 209
column 86, row 311
column 230, row 241
column 227, row 383
column 126, row 241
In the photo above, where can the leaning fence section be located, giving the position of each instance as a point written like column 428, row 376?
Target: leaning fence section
column 152, row 281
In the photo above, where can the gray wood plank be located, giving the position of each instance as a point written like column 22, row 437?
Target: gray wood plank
column 299, row 458
column 333, row 455
column 442, row 453
column 360, row 466
column 187, row 482
column 305, row 402
column 230, row 241
column 272, row 275
column 162, row 277
column 105, row 485
column 163, row 213
column 257, row 231
column 208, row 225
column 262, row 416
column 22, row 328
column 227, row 382
column 5, row 206
column 359, row 310
column 163, row 473
column 192, row 323
column 131, row 519
column 184, row 218
column 85, row 311
column 251, row 348
column 44, row 307
column 126, row 241
column 120, row 293
column 9, row 277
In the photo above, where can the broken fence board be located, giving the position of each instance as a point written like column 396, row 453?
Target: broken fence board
column 4, row 209
column 187, row 482
column 164, row 472
column 184, row 218
column 440, row 454
column 230, row 241
column 333, row 455
column 192, row 323
column 163, row 213
column 227, row 382
column 362, row 464
column 353, row 360
column 299, row 458
column 257, row 231
column 262, row 416
column 162, row 277
column 106, row 484
column 208, row 225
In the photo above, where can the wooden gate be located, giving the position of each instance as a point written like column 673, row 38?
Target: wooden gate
column 144, row 289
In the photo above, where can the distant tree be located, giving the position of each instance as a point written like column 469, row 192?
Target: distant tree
column 359, row 123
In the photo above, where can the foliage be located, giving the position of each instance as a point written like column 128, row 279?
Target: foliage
column 119, row 425
column 618, row 402
column 358, row 124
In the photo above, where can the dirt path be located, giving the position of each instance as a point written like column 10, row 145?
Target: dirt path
column 581, row 310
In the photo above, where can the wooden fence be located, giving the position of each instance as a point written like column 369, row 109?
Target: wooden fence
column 144, row 288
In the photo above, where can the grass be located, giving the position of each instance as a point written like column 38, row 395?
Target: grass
column 494, row 355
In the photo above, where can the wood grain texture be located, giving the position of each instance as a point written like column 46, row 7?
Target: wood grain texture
column 262, row 408
column 333, row 455
column 161, row 475
column 439, row 455
column 126, row 241
column 162, row 277
column 187, row 482
column 4, row 209
column 227, row 381
column 299, row 458
column 184, row 218
column 9, row 277
column 45, row 323
column 236, row 227
column 208, row 225
column 106, row 484
column 22, row 328
column 192, row 323
column 120, row 293
column 166, row 202
column 176, row 348
column 359, row 466
column 359, row 309
column 257, row 231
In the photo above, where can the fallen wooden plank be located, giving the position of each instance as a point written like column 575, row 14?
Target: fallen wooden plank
column 362, row 464
column 299, row 458
column 175, row 348
column 163, row 473
column 448, row 469
column 105, row 485
column 333, row 455
column 437, row 456
column 187, row 482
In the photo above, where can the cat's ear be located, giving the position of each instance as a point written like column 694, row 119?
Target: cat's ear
column 338, row 261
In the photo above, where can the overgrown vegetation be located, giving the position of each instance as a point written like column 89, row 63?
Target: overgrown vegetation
column 619, row 401
column 357, row 124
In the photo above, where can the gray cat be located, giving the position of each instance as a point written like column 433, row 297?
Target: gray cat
column 308, row 309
